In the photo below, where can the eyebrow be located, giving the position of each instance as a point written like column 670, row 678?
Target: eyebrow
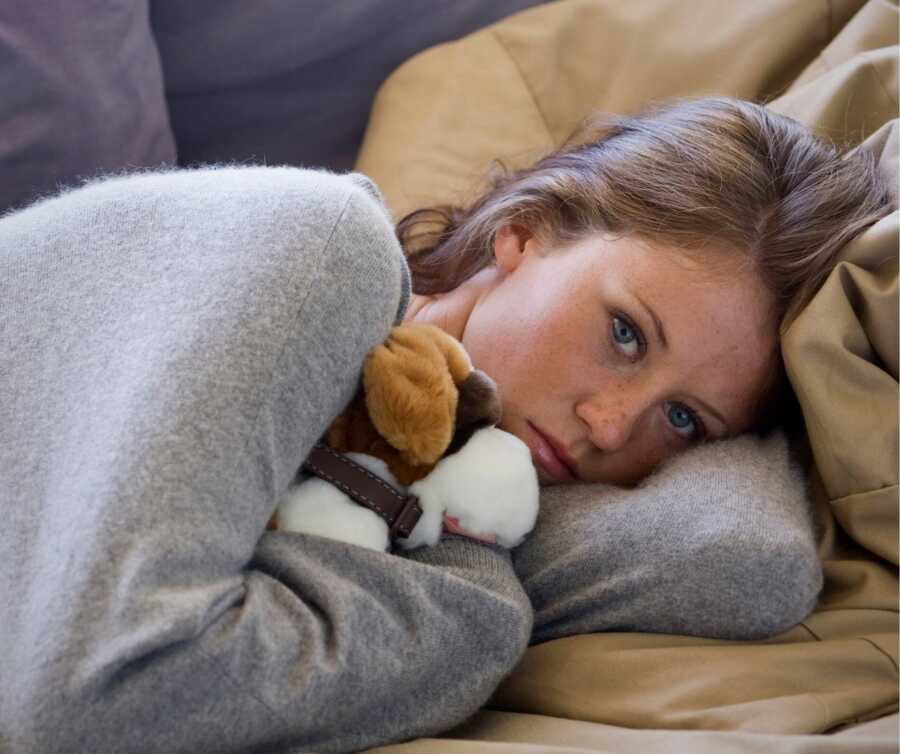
column 711, row 410
column 661, row 334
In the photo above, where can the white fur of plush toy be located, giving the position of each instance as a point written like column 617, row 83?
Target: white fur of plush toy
column 490, row 486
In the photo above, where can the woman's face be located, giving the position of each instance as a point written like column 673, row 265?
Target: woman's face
column 623, row 351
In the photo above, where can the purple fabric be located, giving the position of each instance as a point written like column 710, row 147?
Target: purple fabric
column 286, row 82
column 108, row 85
column 80, row 92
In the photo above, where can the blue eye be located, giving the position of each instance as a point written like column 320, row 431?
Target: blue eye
column 684, row 421
column 627, row 336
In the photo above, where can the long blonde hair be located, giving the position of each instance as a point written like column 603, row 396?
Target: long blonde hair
column 693, row 173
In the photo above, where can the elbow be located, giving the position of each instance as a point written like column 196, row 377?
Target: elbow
column 497, row 643
column 762, row 597
column 798, row 582
column 516, row 630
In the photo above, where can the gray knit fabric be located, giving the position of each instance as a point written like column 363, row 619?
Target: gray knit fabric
column 173, row 345
column 719, row 542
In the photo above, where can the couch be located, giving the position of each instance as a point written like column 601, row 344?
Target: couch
column 460, row 84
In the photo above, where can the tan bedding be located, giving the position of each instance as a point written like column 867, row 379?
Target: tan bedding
column 519, row 88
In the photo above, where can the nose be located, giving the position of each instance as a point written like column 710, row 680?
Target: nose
column 611, row 422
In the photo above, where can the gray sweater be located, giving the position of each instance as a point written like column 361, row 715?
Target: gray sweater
column 172, row 346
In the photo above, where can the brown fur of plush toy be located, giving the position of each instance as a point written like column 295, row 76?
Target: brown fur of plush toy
column 419, row 400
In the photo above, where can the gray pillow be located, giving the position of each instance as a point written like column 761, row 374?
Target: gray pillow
column 288, row 82
column 80, row 93
column 719, row 542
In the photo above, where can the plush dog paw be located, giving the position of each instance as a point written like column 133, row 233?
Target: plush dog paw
column 490, row 486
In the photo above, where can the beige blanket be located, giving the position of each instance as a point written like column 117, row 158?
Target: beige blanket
column 518, row 89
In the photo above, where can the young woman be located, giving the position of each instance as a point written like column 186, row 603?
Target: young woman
column 626, row 295
column 175, row 343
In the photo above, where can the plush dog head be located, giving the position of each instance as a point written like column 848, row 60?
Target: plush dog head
column 420, row 400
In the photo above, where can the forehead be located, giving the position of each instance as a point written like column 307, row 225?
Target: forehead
column 713, row 280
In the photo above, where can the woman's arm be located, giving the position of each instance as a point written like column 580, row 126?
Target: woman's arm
column 175, row 344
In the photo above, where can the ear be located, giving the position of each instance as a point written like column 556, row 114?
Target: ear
column 510, row 242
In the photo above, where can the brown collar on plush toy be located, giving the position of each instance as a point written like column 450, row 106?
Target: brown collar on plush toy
column 401, row 512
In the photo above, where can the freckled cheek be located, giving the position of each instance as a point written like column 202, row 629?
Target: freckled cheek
column 615, row 406
column 529, row 372
column 504, row 359
column 633, row 462
column 497, row 355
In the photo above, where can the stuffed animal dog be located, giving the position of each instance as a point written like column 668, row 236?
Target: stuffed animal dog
column 423, row 422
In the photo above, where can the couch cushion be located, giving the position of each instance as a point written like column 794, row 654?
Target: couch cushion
column 80, row 92
column 286, row 82
column 519, row 88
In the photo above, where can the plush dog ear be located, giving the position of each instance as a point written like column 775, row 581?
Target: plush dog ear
column 411, row 393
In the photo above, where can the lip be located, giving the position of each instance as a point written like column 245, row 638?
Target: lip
column 551, row 456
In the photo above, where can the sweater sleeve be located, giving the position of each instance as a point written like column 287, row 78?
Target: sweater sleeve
column 719, row 542
column 178, row 342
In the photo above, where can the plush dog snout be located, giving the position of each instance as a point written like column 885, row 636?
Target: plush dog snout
column 478, row 406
